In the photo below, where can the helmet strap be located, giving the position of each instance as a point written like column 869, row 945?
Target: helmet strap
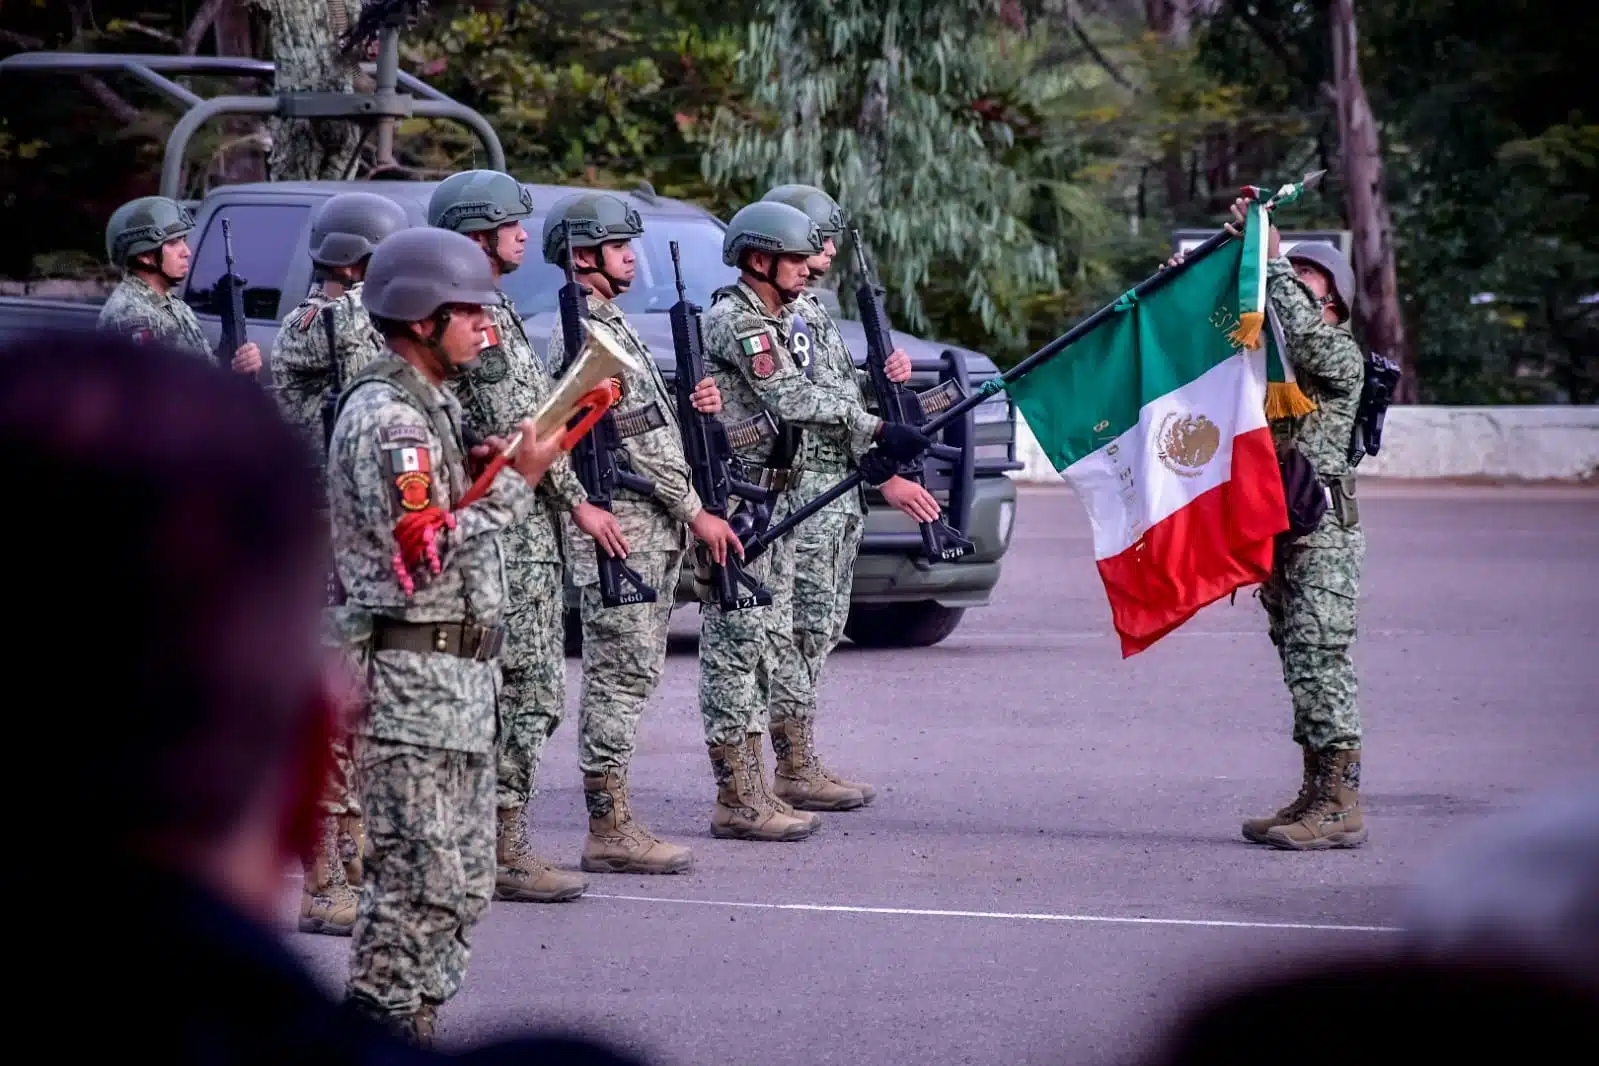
column 618, row 286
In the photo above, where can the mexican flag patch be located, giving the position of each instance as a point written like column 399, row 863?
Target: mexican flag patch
column 756, row 343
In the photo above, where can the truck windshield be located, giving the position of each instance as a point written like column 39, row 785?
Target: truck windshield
column 699, row 240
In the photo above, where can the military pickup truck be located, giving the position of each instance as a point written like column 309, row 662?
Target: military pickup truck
column 899, row 599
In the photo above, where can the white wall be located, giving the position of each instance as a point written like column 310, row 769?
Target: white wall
column 1513, row 443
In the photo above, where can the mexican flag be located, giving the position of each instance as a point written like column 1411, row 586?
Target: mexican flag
column 1158, row 419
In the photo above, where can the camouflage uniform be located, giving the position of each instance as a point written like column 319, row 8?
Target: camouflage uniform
column 137, row 311
column 305, row 49
column 1313, row 593
column 748, row 354
column 306, row 370
column 624, row 648
column 426, row 754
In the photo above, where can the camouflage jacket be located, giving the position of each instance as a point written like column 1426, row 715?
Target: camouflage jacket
column 650, row 523
column 829, row 451
column 306, row 371
column 507, row 385
column 1330, row 369
column 138, row 312
column 747, row 352
column 390, row 455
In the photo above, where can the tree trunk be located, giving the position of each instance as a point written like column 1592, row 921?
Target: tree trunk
column 241, row 159
column 1170, row 20
column 1376, row 280
column 305, row 52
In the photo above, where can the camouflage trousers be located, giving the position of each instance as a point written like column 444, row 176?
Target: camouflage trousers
column 533, row 662
column 430, row 823
column 339, row 794
column 739, row 649
column 1311, row 601
column 624, row 655
column 825, row 549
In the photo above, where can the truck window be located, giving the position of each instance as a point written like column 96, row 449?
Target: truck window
column 266, row 240
column 699, row 240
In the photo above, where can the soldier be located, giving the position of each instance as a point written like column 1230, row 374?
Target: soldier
column 431, row 582
column 825, row 547
column 751, row 353
column 1312, row 594
column 624, row 648
column 145, row 240
column 508, row 383
column 323, row 343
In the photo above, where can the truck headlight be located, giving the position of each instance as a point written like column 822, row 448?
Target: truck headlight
column 1007, row 517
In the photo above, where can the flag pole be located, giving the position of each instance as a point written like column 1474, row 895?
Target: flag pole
column 758, row 543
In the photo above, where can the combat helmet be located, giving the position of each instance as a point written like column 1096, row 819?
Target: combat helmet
column 144, row 225
column 1329, row 261
column 595, row 218
column 477, row 200
column 768, row 226
column 417, row 271
column 820, row 207
column 347, row 227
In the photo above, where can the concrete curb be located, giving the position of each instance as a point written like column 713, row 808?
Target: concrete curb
column 1429, row 443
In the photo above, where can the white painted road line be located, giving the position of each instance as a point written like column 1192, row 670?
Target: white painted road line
column 1101, row 919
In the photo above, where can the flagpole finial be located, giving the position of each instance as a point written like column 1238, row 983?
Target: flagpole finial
column 1312, row 178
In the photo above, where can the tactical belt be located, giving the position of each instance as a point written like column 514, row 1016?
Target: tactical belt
column 1341, row 498
column 639, row 420
column 468, row 641
column 824, row 452
column 774, row 478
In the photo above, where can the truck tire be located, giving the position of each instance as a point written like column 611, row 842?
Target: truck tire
column 902, row 625
column 574, row 634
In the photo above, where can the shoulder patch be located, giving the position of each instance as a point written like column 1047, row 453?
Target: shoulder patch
column 754, row 342
column 402, row 434
column 412, row 469
column 309, row 317
column 143, row 336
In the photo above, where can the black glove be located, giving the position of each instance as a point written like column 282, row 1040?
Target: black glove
column 876, row 468
column 901, row 443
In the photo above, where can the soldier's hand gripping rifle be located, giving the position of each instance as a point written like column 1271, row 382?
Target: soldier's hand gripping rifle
column 229, row 298
column 708, row 447
column 594, row 456
column 896, row 403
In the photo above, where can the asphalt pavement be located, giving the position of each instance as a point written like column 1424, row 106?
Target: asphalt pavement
column 1052, row 867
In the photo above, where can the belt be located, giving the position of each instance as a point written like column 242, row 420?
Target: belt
column 772, row 478
column 825, row 451
column 1341, row 498
column 463, row 639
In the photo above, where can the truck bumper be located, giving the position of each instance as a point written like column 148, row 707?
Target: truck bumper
column 891, row 568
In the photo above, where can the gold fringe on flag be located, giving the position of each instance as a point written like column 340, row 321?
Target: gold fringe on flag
column 1285, row 400
column 1247, row 333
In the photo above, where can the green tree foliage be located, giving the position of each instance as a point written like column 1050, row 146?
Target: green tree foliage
column 883, row 104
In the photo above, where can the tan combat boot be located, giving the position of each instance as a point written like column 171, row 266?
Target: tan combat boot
column 616, row 843
column 327, row 903
column 743, row 811
column 521, row 876
column 1333, row 818
column 800, row 779
column 353, row 847
column 1255, row 828
column 757, row 760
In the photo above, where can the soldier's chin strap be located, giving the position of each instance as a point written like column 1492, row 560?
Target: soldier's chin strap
column 618, row 286
column 435, row 344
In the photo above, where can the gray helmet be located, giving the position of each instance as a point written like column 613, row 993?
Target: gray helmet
column 1331, row 262
column 766, row 226
column 476, row 200
column 348, row 226
column 416, row 271
column 143, row 225
column 820, row 207
column 596, row 218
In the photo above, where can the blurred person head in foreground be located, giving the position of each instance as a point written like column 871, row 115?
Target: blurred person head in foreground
column 167, row 572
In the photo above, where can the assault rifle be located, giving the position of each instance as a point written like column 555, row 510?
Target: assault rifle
column 594, row 457
column 708, row 447
column 1376, row 393
column 896, row 403
column 229, row 296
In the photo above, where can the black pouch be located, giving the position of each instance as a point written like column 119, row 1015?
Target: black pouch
column 1302, row 489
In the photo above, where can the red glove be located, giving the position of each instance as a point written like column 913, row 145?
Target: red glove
column 417, row 534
